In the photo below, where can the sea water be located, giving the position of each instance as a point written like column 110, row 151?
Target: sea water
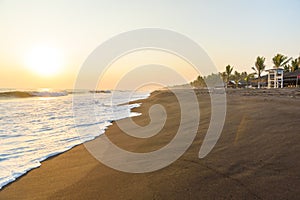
column 35, row 125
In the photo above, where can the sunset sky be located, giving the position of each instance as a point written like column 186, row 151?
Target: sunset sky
column 61, row 34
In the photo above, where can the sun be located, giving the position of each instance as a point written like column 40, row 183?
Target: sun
column 44, row 60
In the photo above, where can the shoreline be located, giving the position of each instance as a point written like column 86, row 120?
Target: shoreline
column 12, row 173
column 224, row 173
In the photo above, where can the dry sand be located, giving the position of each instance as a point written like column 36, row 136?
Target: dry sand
column 256, row 157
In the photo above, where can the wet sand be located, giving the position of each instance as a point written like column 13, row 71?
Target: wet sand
column 256, row 157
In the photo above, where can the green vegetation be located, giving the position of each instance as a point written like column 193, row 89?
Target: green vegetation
column 259, row 68
column 228, row 70
column 295, row 64
column 280, row 60
column 237, row 79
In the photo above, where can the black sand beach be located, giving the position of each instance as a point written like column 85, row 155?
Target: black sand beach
column 256, row 157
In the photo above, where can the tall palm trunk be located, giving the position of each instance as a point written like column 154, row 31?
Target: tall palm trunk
column 259, row 68
column 259, row 80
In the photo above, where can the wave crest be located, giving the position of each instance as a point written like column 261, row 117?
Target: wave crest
column 26, row 94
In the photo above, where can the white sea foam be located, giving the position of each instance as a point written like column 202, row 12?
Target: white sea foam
column 34, row 129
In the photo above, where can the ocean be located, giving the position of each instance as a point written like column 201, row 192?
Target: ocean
column 38, row 124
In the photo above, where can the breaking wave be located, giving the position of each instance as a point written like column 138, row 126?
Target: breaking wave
column 27, row 94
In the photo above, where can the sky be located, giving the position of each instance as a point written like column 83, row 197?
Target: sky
column 231, row 32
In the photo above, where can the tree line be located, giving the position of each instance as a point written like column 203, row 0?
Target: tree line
column 279, row 61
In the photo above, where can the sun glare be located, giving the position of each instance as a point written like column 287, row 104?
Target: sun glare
column 44, row 60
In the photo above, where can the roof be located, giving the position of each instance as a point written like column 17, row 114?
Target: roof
column 275, row 69
column 292, row 74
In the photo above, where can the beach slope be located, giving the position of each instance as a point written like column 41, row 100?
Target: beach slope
column 256, row 157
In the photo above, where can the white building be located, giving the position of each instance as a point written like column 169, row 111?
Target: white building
column 275, row 78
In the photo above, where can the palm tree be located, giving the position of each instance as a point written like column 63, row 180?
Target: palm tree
column 287, row 68
column 248, row 77
column 244, row 75
column 280, row 60
column 295, row 64
column 236, row 78
column 259, row 68
column 228, row 72
column 223, row 76
column 199, row 82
